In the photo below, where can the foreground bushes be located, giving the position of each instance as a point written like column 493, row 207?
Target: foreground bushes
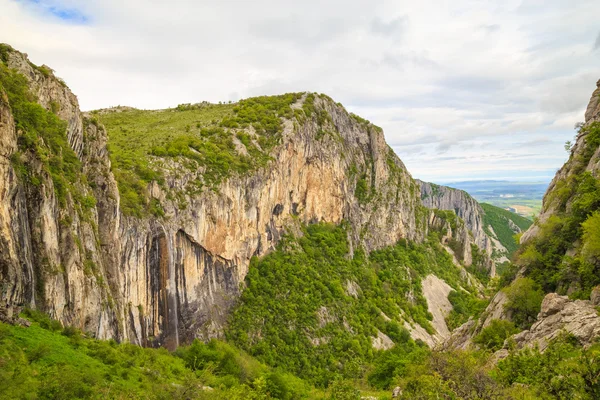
column 46, row 361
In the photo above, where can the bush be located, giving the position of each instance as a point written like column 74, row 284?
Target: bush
column 493, row 336
column 464, row 306
column 591, row 237
column 343, row 390
column 524, row 301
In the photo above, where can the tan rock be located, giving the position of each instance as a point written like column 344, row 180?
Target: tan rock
column 560, row 314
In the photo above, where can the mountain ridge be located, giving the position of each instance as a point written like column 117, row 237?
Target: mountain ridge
column 172, row 273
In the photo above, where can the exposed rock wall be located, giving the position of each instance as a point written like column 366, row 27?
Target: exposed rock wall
column 559, row 314
column 465, row 207
column 160, row 281
column 551, row 202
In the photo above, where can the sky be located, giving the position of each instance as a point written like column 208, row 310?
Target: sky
column 463, row 89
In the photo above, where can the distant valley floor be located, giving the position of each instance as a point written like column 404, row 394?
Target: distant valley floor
column 523, row 198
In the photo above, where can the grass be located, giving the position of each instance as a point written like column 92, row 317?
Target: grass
column 210, row 141
column 47, row 361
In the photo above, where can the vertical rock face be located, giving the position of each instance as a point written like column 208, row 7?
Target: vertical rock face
column 161, row 281
column 465, row 207
column 16, row 264
column 552, row 201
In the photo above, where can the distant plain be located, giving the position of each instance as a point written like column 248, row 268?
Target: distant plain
column 523, row 198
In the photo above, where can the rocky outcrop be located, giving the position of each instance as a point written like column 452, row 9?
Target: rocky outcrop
column 595, row 296
column 462, row 337
column 552, row 202
column 558, row 315
column 382, row 341
column 161, row 281
column 436, row 292
column 469, row 229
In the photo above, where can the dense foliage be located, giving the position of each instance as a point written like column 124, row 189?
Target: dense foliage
column 564, row 370
column 498, row 219
column 463, row 307
column 524, row 300
column 203, row 139
column 312, row 308
column 561, row 257
column 43, row 139
column 47, row 361
column 493, row 336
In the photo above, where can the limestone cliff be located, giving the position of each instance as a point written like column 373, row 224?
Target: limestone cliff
column 559, row 315
column 162, row 280
column 466, row 208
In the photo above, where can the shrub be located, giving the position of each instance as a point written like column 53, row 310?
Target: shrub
column 591, row 237
column 493, row 336
column 343, row 390
column 524, row 301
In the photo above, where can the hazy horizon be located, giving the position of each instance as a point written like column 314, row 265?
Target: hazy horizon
column 463, row 90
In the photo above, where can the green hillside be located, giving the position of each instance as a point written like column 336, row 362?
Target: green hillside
column 498, row 219
column 198, row 137
column 311, row 308
column 47, row 361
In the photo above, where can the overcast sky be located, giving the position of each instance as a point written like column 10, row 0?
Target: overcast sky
column 463, row 89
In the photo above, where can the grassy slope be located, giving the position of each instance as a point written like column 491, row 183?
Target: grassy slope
column 46, row 361
column 498, row 218
column 199, row 137
column 278, row 319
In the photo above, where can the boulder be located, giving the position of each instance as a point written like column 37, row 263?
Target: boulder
column 560, row 314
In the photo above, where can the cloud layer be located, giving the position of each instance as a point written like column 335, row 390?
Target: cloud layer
column 463, row 89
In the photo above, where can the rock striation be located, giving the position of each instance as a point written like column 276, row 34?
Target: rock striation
column 161, row 281
column 471, row 231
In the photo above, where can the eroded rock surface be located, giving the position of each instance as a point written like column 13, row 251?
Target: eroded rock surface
column 560, row 314
column 161, row 281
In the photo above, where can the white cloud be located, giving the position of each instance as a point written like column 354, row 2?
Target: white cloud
column 474, row 80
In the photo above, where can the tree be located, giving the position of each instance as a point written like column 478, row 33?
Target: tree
column 493, row 336
column 591, row 236
column 524, row 301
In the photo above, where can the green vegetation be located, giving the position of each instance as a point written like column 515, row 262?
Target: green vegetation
column 47, row 361
column 493, row 336
column 524, row 299
column 571, row 227
column 42, row 136
column 564, row 371
column 198, row 137
column 498, row 219
column 311, row 309
column 4, row 52
column 464, row 305
column 591, row 238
